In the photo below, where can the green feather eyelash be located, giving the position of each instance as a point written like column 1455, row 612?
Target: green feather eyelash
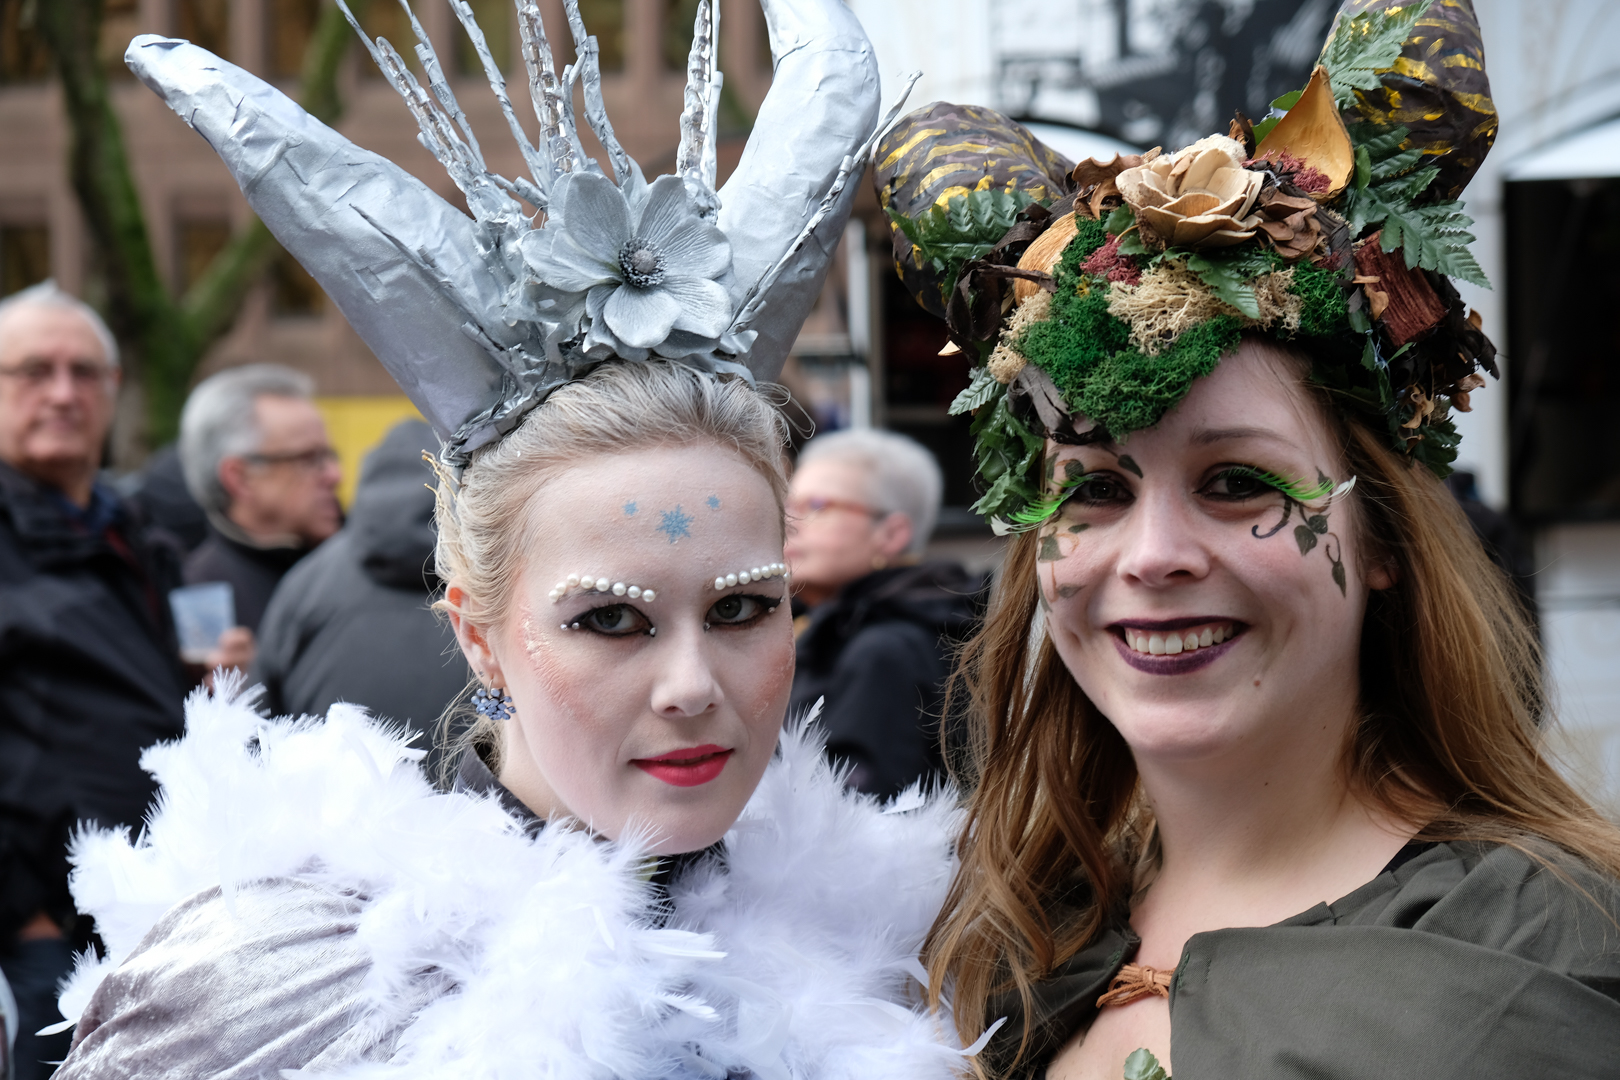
column 1041, row 510
column 1294, row 489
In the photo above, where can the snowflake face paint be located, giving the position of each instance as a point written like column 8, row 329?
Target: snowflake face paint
column 657, row 709
column 675, row 524
column 1177, row 595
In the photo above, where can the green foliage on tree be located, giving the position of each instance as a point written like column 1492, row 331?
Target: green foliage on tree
column 163, row 336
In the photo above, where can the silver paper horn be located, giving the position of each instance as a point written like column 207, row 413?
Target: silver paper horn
column 454, row 306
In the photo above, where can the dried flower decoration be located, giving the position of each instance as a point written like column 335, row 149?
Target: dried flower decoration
column 1313, row 133
column 1201, row 196
column 1136, row 281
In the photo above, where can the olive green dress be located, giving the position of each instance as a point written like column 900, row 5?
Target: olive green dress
column 1458, row 961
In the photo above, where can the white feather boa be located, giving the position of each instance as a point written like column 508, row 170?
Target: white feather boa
column 794, row 961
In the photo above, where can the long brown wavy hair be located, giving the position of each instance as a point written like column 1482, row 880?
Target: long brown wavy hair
column 1451, row 700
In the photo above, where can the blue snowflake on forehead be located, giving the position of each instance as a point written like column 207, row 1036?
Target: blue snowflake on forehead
column 714, row 502
column 675, row 524
column 630, row 508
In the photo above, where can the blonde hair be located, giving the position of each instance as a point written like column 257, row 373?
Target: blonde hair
column 1451, row 699
column 484, row 527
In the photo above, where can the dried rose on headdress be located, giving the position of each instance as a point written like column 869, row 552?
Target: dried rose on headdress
column 1201, row 196
column 1289, row 222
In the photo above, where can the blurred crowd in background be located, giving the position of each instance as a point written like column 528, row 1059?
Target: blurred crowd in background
column 229, row 553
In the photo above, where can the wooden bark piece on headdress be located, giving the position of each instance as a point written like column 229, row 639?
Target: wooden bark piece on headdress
column 1411, row 307
column 1437, row 90
column 942, row 151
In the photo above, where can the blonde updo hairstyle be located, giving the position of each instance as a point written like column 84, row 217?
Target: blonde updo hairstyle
column 483, row 521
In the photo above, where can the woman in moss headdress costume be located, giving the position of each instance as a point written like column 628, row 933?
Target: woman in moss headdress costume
column 1266, row 798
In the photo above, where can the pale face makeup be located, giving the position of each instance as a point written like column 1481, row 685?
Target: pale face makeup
column 1201, row 609
column 657, row 714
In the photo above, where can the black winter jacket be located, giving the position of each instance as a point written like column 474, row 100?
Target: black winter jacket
column 351, row 621
column 89, row 677
column 879, row 653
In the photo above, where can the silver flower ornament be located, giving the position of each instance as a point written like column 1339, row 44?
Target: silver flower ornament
column 636, row 279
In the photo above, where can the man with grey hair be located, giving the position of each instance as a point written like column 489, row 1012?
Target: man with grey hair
column 89, row 672
column 879, row 626
column 257, row 459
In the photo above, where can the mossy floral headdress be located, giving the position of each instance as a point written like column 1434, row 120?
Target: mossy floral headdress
column 1093, row 295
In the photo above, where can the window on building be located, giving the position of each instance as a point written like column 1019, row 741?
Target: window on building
column 495, row 19
column 196, row 243
column 25, row 256
column 919, row 385
column 288, row 25
column 203, row 22
column 23, row 56
column 120, row 21
column 1563, row 286
column 604, row 19
column 294, row 293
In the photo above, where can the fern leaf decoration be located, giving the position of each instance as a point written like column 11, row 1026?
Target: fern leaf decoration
column 945, row 237
column 1366, row 44
column 979, row 392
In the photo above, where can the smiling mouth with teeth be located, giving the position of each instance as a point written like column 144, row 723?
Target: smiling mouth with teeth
column 1175, row 642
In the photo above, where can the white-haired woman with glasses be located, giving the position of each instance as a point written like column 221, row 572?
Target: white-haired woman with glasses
column 877, row 624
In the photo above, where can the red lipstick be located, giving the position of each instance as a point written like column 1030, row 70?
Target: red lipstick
column 690, row 767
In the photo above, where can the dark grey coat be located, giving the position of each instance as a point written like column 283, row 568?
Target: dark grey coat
column 89, row 677
column 351, row 621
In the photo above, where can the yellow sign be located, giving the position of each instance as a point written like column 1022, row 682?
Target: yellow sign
column 356, row 425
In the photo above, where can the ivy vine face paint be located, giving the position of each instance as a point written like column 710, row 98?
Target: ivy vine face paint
column 1202, row 582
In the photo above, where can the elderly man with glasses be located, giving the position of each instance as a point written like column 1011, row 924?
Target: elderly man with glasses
column 876, row 624
column 89, row 671
column 256, row 457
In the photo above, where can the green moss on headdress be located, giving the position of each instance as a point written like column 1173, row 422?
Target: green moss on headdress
column 1325, row 313
column 1088, row 354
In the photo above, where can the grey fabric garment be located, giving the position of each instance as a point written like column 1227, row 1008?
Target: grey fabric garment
column 239, row 988
column 1468, row 961
column 351, row 622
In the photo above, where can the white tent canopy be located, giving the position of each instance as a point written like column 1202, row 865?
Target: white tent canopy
column 1593, row 153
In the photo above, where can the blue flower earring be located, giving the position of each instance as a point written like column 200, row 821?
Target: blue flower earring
column 493, row 704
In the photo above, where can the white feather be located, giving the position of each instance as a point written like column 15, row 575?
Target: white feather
column 794, row 960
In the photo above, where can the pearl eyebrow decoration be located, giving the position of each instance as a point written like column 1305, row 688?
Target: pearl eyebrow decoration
column 592, row 583
column 755, row 573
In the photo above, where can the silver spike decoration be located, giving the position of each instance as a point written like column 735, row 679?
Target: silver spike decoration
column 497, row 83
column 550, row 106
column 587, row 70
column 695, row 157
column 854, row 165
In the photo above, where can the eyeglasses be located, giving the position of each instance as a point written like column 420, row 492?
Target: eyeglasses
column 38, row 374
column 307, row 460
column 805, row 509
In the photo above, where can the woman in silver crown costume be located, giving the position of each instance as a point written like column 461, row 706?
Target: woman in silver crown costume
column 623, row 883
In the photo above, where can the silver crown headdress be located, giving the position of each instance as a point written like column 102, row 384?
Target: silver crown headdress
column 480, row 318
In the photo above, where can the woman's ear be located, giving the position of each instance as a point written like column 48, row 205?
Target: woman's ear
column 1382, row 574
column 893, row 534
column 471, row 637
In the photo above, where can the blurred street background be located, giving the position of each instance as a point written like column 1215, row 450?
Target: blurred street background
column 104, row 190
